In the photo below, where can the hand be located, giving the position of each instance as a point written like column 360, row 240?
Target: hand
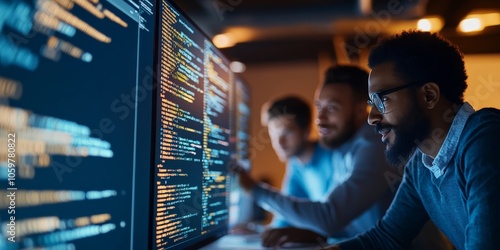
column 244, row 178
column 276, row 237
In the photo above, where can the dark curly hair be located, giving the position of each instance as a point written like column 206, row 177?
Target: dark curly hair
column 290, row 105
column 424, row 57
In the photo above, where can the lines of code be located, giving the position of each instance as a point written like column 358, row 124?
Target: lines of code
column 193, row 133
column 67, row 68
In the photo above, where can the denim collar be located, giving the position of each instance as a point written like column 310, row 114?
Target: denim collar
column 437, row 166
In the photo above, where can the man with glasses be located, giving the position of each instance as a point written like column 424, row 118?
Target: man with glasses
column 416, row 91
column 361, row 188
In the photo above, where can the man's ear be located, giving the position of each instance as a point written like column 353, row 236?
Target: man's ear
column 431, row 94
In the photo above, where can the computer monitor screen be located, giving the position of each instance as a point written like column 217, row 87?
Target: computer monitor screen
column 240, row 206
column 242, row 117
column 193, row 131
column 76, row 84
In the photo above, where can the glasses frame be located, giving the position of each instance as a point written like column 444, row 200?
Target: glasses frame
column 380, row 96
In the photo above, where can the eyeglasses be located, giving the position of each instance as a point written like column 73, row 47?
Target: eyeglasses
column 378, row 99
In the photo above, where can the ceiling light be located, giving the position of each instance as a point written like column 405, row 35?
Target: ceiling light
column 432, row 24
column 237, row 67
column 365, row 6
column 478, row 20
column 225, row 40
column 424, row 25
column 471, row 25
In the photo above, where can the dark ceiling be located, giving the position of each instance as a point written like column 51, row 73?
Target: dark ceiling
column 284, row 30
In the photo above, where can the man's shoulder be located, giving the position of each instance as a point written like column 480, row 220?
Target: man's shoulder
column 485, row 114
column 481, row 132
column 485, row 118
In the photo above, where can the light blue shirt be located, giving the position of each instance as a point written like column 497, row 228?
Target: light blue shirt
column 438, row 165
column 311, row 180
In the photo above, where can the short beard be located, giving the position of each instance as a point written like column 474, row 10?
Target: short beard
column 413, row 129
column 343, row 137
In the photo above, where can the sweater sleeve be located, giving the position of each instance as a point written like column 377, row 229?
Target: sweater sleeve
column 403, row 221
column 348, row 200
column 480, row 174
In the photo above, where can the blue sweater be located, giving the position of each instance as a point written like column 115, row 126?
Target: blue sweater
column 459, row 190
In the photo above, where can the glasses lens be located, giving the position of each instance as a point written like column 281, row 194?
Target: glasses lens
column 378, row 103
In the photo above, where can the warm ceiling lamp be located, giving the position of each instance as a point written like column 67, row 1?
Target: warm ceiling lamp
column 432, row 24
column 224, row 40
column 478, row 20
column 471, row 25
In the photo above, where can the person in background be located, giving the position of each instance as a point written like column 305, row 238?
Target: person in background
column 289, row 121
column 416, row 88
column 361, row 185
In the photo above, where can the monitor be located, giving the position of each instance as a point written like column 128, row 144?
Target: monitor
column 240, row 206
column 117, row 122
column 193, row 114
column 76, row 84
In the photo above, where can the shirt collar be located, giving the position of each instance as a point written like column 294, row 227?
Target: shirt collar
column 437, row 166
